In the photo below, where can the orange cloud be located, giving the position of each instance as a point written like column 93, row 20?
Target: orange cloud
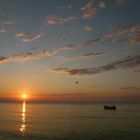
column 33, row 38
column 34, row 56
column 88, row 10
column 2, row 30
column 102, row 4
column 53, row 19
column 22, row 34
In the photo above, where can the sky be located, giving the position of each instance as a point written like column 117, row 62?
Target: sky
column 70, row 50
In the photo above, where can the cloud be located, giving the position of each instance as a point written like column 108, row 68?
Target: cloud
column 85, row 55
column 128, row 62
column 67, row 8
column 66, row 94
column 88, row 10
column 120, row 2
column 33, row 38
column 135, row 39
column 22, row 34
column 27, row 56
column 115, row 34
column 34, row 56
column 88, row 28
column 135, row 35
column 2, row 30
column 131, row 33
column 7, row 22
column 70, row 47
column 93, row 54
column 53, row 19
column 91, row 42
column 26, row 38
column 101, row 4
column 2, row 58
column 130, row 88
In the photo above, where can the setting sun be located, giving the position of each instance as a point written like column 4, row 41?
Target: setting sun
column 24, row 96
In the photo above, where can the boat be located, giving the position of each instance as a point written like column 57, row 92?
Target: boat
column 110, row 107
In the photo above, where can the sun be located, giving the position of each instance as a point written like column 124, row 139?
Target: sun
column 24, row 96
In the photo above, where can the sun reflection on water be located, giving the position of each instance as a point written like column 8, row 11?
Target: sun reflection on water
column 23, row 125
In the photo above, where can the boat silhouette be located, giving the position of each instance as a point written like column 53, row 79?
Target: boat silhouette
column 110, row 107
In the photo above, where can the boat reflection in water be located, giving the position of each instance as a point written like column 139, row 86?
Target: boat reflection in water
column 23, row 125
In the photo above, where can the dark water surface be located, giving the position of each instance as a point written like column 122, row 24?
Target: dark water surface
column 28, row 121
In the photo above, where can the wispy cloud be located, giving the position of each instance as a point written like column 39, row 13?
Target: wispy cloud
column 88, row 28
column 26, row 37
column 66, row 94
column 135, row 35
column 88, row 10
column 128, row 62
column 129, row 33
column 70, row 47
column 67, row 8
column 3, row 30
column 22, row 34
column 101, row 4
column 120, row 2
column 85, row 56
column 7, row 22
column 34, row 56
column 33, row 38
column 130, row 88
column 115, row 34
column 93, row 54
column 90, row 42
column 53, row 19
column 26, row 56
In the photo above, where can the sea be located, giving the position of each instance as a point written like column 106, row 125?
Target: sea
column 68, row 121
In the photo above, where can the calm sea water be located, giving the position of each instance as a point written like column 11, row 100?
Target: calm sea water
column 26, row 121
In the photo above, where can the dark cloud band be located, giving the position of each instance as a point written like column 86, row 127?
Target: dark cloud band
column 124, row 63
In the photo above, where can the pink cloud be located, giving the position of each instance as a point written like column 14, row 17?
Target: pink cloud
column 53, row 19
column 33, row 38
column 88, row 10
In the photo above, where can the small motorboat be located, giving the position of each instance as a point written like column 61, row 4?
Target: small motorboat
column 110, row 107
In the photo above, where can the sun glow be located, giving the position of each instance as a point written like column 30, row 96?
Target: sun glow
column 24, row 96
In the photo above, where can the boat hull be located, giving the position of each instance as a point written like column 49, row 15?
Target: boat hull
column 109, row 107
